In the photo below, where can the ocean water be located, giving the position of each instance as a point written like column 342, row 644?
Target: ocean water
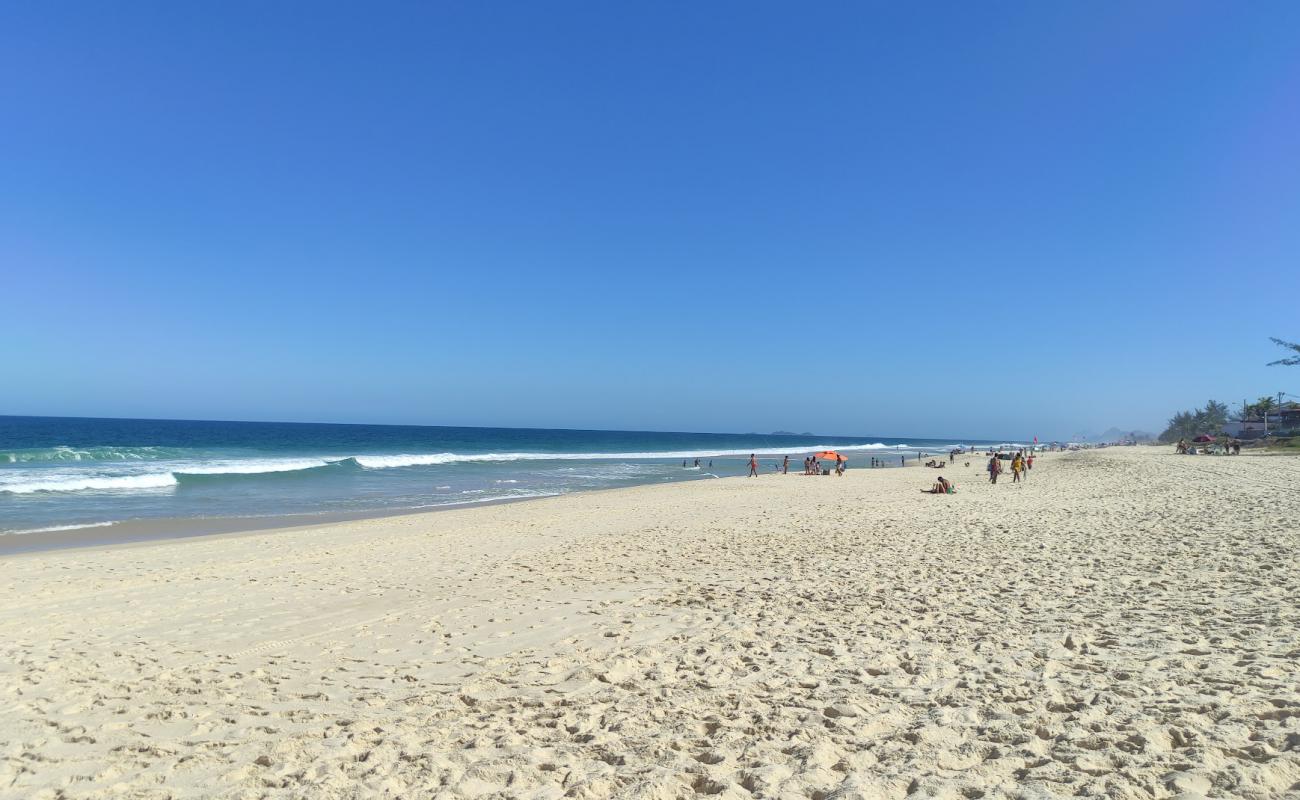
column 64, row 473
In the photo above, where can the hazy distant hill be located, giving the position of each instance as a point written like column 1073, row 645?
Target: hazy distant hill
column 790, row 433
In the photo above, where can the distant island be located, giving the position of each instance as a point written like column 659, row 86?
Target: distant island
column 792, row 433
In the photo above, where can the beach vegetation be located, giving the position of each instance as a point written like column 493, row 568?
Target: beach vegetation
column 1189, row 424
column 1257, row 409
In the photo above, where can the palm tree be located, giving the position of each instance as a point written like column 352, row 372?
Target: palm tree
column 1292, row 361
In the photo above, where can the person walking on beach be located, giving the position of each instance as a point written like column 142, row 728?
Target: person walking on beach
column 785, row 466
column 1016, row 467
column 994, row 468
column 753, row 466
column 839, row 465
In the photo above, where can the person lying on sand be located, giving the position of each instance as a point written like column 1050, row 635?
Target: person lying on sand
column 941, row 486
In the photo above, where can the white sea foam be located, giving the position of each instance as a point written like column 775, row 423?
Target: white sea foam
column 251, row 467
column 479, row 500
column 53, row 528
column 428, row 459
column 103, row 478
column 80, row 483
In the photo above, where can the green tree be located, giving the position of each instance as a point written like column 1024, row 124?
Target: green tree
column 1213, row 416
column 1190, row 424
column 1291, row 361
column 1258, row 408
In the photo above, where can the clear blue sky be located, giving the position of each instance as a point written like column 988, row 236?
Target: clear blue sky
column 947, row 219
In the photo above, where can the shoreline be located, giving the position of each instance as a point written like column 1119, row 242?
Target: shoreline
column 165, row 529
column 1098, row 630
column 161, row 529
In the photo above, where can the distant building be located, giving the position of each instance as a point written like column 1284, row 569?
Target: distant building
column 1284, row 418
column 1244, row 428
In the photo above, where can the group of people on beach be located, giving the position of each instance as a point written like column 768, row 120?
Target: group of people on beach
column 1021, row 463
column 811, row 466
column 1226, row 446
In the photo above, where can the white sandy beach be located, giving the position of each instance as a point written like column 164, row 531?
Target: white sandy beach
column 1125, row 624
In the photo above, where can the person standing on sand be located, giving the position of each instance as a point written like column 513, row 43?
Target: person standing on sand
column 753, row 466
column 785, row 466
column 994, row 468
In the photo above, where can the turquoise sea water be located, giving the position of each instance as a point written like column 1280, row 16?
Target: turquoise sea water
column 61, row 473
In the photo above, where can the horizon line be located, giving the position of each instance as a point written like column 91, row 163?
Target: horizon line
column 505, row 427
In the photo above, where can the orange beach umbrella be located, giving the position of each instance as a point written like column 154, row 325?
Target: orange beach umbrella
column 828, row 455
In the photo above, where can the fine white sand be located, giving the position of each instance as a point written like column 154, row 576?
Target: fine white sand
column 1124, row 624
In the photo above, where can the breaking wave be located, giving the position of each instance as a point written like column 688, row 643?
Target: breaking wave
column 63, row 454
column 191, row 471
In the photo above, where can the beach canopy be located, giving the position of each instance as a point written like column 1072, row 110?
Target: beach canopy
column 1203, row 438
column 828, row 455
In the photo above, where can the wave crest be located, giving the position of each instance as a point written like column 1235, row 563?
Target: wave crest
column 65, row 453
column 153, row 480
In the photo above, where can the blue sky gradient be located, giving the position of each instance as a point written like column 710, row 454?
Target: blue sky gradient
column 914, row 219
